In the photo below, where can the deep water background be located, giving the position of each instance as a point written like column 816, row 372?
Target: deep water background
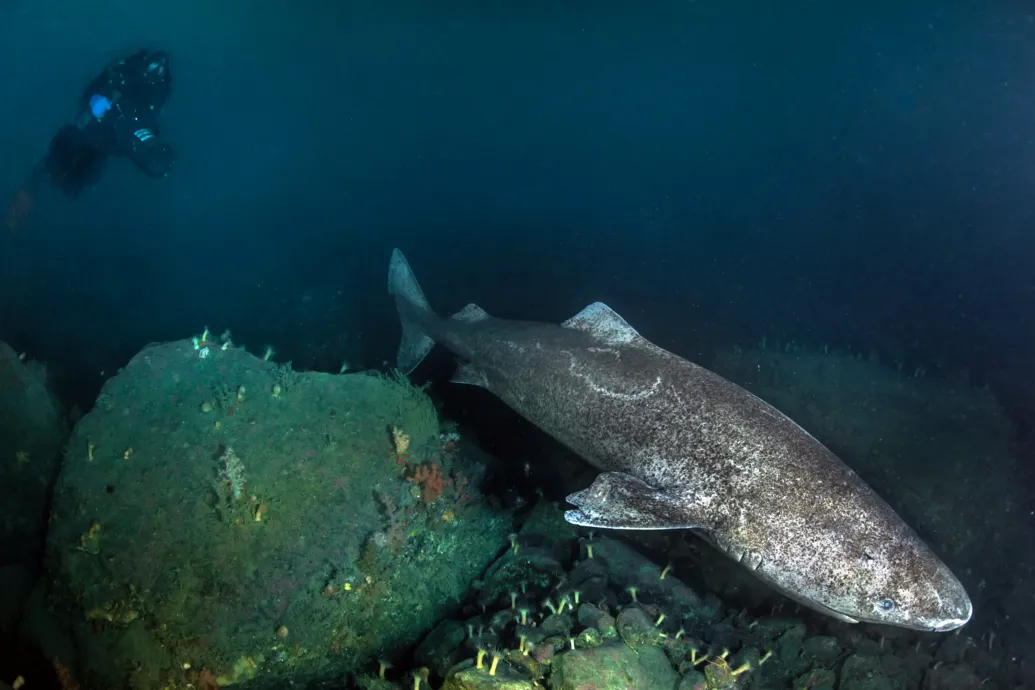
column 855, row 175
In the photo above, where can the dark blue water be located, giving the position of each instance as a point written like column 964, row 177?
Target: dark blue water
column 852, row 174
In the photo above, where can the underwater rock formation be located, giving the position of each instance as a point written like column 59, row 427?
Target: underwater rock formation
column 221, row 520
column 32, row 433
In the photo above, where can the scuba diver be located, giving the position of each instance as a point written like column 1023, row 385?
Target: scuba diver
column 118, row 116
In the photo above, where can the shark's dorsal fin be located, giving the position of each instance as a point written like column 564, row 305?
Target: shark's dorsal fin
column 472, row 313
column 604, row 324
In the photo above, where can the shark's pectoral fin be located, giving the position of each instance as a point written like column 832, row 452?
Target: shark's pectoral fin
column 470, row 375
column 621, row 501
column 604, row 324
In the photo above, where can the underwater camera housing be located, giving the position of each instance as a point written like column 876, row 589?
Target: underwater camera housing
column 152, row 154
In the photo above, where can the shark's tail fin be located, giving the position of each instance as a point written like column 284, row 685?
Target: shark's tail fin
column 412, row 306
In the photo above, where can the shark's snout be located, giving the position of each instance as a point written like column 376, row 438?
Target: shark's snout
column 958, row 611
column 950, row 606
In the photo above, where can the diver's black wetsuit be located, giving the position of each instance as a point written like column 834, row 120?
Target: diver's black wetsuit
column 136, row 88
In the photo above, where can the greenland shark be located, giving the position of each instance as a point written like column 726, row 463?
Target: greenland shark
column 680, row 447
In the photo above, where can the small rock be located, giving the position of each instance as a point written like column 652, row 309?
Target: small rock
column 678, row 649
column 723, row 635
column 588, row 639
column 900, row 672
column 952, row 649
column 557, row 624
column 467, row 677
column 592, row 588
column 771, row 627
column 588, row 569
column 868, row 647
column 557, row 643
column 441, row 649
column 817, row 679
column 711, row 609
column 861, row 672
column 820, row 650
column 685, row 600
column 788, row 646
column 588, row 615
column 503, row 618
column 607, row 627
column 951, row 677
column 694, row 680
column 614, row 666
column 636, row 628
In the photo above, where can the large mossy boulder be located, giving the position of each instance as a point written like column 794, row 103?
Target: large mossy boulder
column 32, row 433
column 224, row 520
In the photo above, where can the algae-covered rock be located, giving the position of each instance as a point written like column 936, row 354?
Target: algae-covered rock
column 692, row 680
column 32, row 433
column 532, row 567
column 952, row 649
column 557, row 624
column 375, row 683
column 244, row 669
column 588, row 615
column 258, row 524
column 590, row 637
column 770, row 627
column 818, row 679
column 820, row 650
column 789, row 645
column 952, row 677
column 468, row 677
column 899, row 672
column 861, row 672
column 440, row 649
column 679, row 650
column 614, row 666
column 636, row 628
column 592, row 616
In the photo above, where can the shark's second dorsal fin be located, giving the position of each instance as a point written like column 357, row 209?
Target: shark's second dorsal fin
column 604, row 324
column 471, row 314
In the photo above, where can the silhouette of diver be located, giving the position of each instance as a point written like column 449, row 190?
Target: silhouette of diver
column 119, row 116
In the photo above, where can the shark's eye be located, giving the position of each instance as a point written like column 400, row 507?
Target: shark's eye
column 886, row 605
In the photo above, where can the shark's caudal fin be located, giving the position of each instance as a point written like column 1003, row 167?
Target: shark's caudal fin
column 412, row 304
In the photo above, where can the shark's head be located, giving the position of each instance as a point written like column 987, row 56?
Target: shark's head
column 900, row 581
column 876, row 575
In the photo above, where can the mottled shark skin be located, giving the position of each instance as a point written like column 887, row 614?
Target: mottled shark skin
column 680, row 447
